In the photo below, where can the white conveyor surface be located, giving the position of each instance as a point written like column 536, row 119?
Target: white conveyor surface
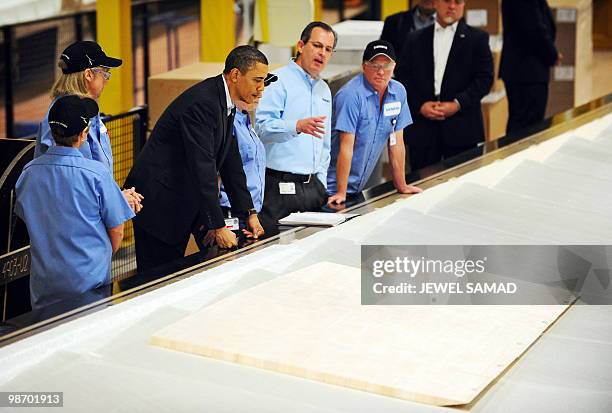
column 103, row 362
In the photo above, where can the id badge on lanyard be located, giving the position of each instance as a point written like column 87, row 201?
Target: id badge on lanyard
column 232, row 223
column 392, row 137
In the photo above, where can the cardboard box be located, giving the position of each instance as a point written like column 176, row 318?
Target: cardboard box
column 495, row 115
column 570, row 83
column 353, row 36
column 562, row 78
column 165, row 87
column 484, row 14
column 498, row 84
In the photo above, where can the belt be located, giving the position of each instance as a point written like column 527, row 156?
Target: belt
column 288, row 176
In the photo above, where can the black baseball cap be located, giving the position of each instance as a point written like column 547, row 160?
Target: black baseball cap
column 71, row 114
column 83, row 55
column 270, row 77
column 378, row 48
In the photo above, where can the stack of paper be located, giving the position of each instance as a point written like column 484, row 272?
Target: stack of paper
column 328, row 219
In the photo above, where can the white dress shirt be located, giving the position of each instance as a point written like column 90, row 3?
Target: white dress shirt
column 228, row 98
column 443, row 41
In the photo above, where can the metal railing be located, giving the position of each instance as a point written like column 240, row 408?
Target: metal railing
column 128, row 133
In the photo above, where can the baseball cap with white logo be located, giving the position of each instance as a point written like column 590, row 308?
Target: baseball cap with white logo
column 71, row 114
column 378, row 48
column 83, row 55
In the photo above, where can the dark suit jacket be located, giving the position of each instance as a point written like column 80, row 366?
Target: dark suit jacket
column 467, row 78
column 177, row 169
column 396, row 29
column 529, row 41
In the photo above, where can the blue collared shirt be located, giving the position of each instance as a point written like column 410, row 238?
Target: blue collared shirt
column 357, row 111
column 97, row 146
column 422, row 21
column 68, row 202
column 296, row 95
column 253, row 156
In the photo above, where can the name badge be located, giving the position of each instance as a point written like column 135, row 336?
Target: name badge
column 392, row 108
column 232, row 224
column 392, row 139
column 286, row 188
column 103, row 129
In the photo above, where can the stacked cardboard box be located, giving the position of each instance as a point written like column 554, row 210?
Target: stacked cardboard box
column 484, row 14
column 570, row 83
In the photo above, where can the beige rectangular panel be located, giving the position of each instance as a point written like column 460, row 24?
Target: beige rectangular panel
column 311, row 324
column 495, row 115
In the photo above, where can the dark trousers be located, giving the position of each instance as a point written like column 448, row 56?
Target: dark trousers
column 152, row 252
column 422, row 156
column 526, row 104
column 310, row 195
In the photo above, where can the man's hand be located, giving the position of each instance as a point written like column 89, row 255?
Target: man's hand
column 223, row 237
column 448, row 108
column 336, row 207
column 133, row 199
column 430, row 111
column 254, row 227
column 337, row 198
column 209, row 238
column 409, row 189
column 313, row 126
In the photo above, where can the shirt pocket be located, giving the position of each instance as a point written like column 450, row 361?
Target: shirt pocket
column 364, row 122
column 324, row 107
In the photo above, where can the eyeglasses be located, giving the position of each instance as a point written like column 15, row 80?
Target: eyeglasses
column 377, row 67
column 320, row 46
column 105, row 73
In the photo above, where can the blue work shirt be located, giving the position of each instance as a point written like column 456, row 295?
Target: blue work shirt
column 357, row 111
column 253, row 156
column 68, row 202
column 97, row 146
column 296, row 95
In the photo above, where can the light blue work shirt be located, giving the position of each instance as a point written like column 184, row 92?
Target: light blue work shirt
column 68, row 202
column 253, row 156
column 296, row 95
column 97, row 146
column 357, row 111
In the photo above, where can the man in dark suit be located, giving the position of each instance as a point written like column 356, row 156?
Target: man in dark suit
column 528, row 54
column 178, row 168
column 446, row 68
column 398, row 26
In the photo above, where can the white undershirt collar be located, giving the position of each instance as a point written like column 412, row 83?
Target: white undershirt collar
column 228, row 97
